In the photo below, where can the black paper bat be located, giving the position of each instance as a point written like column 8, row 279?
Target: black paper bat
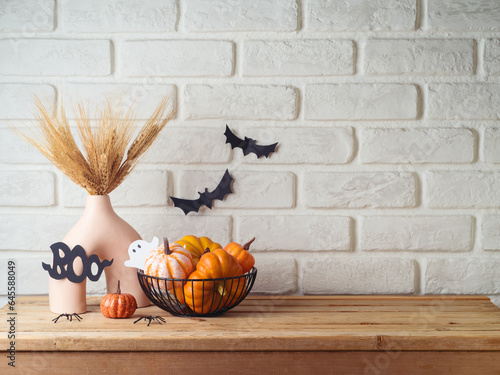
column 248, row 145
column 206, row 197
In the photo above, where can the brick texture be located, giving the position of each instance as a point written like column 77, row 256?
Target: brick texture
column 464, row 101
column 419, row 57
column 241, row 15
column 27, row 188
column 359, row 190
column 464, row 15
column 119, row 16
column 428, row 145
column 177, row 58
column 360, row 102
column 27, row 16
column 245, row 102
column 331, row 15
column 363, row 275
column 416, row 233
column 298, row 58
column 17, row 99
column 296, row 232
column 55, row 57
column 466, row 189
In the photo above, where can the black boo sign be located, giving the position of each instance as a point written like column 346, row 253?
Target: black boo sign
column 63, row 266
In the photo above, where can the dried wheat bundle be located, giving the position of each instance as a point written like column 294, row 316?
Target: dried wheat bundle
column 109, row 153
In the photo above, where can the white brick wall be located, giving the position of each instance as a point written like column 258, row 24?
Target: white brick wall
column 22, row 188
column 95, row 16
column 240, row 102
column 241, row 15
column 387, row 113
column 473, row 101
column 359, row 190
column 298, row 58
column 492, row 145
column 416, row 233
column 55, row 57
column 419, row 56
column 492, row 57
column 425, row 145
column 331, row 15
column 467, row 189
column 360, row 101
column 177, row 58
column 17, row 99
column 143, row 96
column 464, row 15
column 27, row 16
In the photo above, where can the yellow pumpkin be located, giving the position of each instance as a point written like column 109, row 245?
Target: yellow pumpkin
column 169, row 261
column 197, row 246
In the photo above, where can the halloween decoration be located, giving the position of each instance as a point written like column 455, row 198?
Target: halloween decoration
column 241, row 253
column 249, row 145
column 197, row 246
column 206, row 197
column 118, row 305
column 169, row 261
column 63, row 267
column 68, row 317
column 112, row 147
column 138, row 251
column 151, row 319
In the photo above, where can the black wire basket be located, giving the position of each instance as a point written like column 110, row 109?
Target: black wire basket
column 208, row 297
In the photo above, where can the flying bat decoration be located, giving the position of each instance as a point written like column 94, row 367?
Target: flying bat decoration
column 248, row 145
column 138, row 251
column 206, row 197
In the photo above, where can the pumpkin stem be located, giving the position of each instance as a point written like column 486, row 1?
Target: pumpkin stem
column 118, row 290
column 207, row 250
column 167, row 246
column 247, row 245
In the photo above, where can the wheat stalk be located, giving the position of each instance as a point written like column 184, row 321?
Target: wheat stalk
column 109, row 153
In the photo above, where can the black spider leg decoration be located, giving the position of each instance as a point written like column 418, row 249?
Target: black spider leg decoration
column 150, row 319
column 68, row 317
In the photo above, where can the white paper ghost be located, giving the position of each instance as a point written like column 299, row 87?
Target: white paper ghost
column 138, row 251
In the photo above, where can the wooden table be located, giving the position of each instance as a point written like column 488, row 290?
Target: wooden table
column 304, row 335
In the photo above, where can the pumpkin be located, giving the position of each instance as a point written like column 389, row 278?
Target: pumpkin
column 241, row 253
column 204, row 297
column 197, row 246
column 169, row 261
column 118, row 305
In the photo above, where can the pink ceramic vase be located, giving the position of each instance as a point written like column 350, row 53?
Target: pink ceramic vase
column 99, row 231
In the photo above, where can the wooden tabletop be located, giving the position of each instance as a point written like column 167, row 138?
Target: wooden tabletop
column 273, row 324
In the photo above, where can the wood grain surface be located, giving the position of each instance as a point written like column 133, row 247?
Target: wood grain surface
column 368, row 334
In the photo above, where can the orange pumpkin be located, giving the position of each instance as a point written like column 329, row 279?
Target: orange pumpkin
column 169, row 261
column 118, row 305
column 197, row 246
column 206, row 297
column 241, row 253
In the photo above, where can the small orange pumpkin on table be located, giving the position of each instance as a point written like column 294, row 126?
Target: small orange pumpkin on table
column 118, row 305
column 205, row 296
column 241, row 253
column 171, row 261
